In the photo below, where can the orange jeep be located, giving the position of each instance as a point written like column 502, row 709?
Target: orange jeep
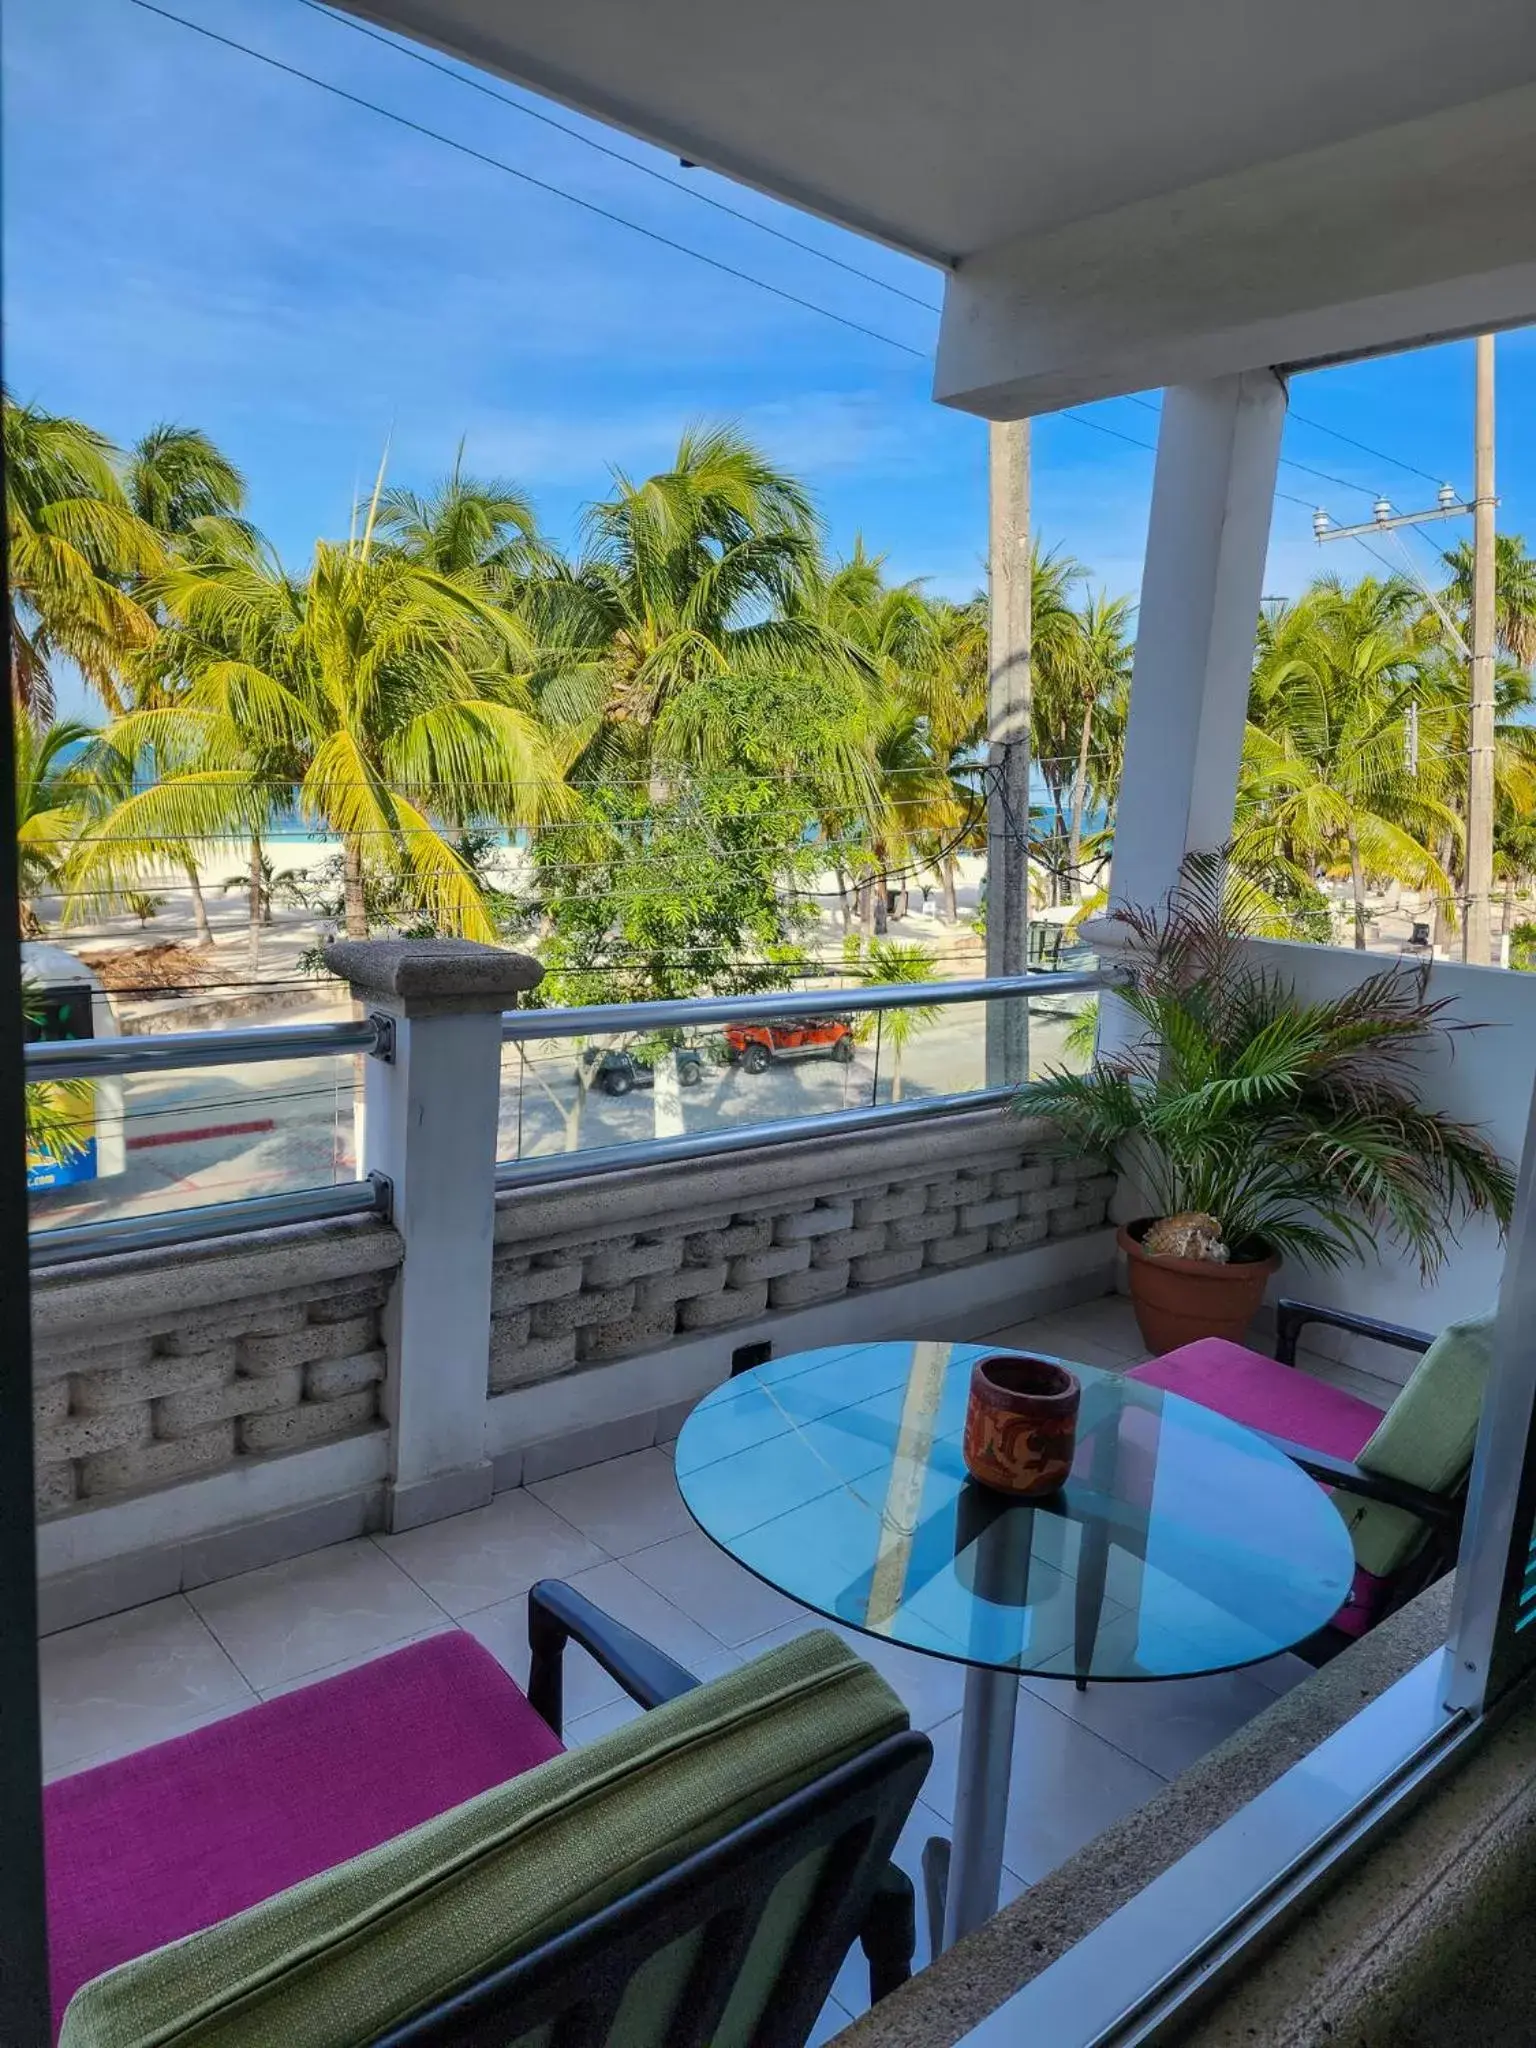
column 756, row 1046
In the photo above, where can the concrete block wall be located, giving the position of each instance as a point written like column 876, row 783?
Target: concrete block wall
column 157, row 1368
column 709, row 1246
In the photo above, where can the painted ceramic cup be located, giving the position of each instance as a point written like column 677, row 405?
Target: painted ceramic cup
column 1021, row 1424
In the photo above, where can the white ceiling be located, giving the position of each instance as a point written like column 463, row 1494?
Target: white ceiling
column 946, row 126
column 1127, row 192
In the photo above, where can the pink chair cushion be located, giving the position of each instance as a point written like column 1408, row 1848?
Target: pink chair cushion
column 178, row 1837
column 1249, row 1388
column 1256, row 1391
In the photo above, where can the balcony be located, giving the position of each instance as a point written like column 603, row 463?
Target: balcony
column 618, row 1531
column 277, row 1438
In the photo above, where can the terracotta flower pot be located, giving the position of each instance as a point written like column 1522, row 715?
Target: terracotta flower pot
column 1179, row 1300
column 1021, row 1424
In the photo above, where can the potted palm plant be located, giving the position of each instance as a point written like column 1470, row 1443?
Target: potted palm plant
column 1260, row 1126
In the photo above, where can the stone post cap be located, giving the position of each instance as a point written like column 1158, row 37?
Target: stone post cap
column 433, row 977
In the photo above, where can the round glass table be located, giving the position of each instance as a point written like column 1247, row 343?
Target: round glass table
column 1182, row 1543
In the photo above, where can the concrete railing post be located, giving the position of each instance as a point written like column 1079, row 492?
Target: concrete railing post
column 430, row 1116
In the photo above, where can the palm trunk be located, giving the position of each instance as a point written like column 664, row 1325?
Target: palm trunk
column 1357, row 883
column 867, row 908
column 352, row 883
column 844, row 905
column 880, row 897
column 1079, row 802
column 1508, row 924
column 200, row 922
column 253, row 936
column 1444, row 925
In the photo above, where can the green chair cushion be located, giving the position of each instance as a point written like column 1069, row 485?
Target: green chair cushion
column 1425, row 1439
column 337, row 1960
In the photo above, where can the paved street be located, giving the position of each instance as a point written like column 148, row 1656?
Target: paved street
column 220, row 1134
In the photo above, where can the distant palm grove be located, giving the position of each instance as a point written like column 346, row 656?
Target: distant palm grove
column 693, row 730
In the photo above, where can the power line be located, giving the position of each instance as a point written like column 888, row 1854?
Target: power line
column 1306, row 468
column 527, row 178
column 1365, row 447
column 606, row 213
column 617, row 155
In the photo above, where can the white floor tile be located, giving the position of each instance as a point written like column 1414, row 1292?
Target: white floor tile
column 119, row 1684
column 625, row 1505
column 296, row 1684
column 1068, row 1785
column 1167, row 1725
column 1280, row 1673
column 128, row 1743
column 614, row 1588
column 312, row 1613
column 713, row 1590
column 585, row 1728
column 1061, row 1338
column 475, row 1560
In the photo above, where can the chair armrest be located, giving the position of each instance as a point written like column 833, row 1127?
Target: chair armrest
column 558, row 1614
column 1291, row 1317
column 1440, row 1510
column 889, row 1933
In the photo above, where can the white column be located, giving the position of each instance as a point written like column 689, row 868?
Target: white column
column 1212, row 496
column 430, row 1116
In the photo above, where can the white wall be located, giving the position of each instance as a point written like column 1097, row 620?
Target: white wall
column 1483, row 1077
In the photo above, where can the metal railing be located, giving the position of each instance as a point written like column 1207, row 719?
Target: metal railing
column 702, row 1011
column 643, row 1152
column 80, row 1059
column 106, row 1057
column 369, row 1197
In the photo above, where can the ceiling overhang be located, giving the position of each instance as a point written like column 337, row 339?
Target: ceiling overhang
column 1121, row 195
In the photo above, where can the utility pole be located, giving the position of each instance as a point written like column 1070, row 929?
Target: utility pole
column 1008, row 757
column 1477, row 939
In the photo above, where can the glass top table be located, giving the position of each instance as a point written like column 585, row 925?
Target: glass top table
column 1181, row 1544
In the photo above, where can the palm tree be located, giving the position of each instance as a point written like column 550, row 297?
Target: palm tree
column 886, row 963
column 465, row 527
column 386, row 685
column 75, row 543
column 1514, row 587
column 1102, row 655
column 1330, row 782
column 52, row 792
column 687, row 574
column 181, row 484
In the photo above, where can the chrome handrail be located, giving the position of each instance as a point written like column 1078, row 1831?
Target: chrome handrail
column 213, row 1219
column 543, row 1168
column 594, row 1018
column 81, row 1058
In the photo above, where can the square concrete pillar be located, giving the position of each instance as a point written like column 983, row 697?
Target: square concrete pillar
column 430, row 1117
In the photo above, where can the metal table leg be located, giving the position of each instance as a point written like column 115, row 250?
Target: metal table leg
column 981, row 1801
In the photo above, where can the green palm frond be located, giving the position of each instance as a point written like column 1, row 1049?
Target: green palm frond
column 1297, row 1125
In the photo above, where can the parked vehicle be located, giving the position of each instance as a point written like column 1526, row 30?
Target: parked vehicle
column 757, row 1046
column 619, row 1069
column 63, row 1000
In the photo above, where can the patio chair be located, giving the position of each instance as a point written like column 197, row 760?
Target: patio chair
column 405, row 1857
column 1399, row 1478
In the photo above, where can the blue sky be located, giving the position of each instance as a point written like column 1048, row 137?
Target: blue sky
column 191, row 235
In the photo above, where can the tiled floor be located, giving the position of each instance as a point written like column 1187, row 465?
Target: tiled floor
column 619, row 1531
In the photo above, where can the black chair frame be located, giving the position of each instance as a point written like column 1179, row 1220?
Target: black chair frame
column 1441, row 1513
column 576, row 1981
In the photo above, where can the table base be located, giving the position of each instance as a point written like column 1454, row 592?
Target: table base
column 962, row 1879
